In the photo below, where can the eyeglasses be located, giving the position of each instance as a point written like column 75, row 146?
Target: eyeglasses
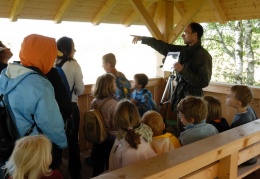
column 185, row 33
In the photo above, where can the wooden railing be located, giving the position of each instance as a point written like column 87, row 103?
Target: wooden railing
column 156, row 86
column 216, row 156
column 212, row 157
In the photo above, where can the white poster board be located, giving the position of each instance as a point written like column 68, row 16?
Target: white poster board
column 171, row 58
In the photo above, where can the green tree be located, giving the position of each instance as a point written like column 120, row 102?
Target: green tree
column 234, row 48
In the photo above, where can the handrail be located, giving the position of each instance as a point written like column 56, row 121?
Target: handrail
column 217, row 155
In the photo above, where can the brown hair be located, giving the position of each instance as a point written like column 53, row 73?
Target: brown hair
column 109, row 58
column 141, row 79
column 193, row 107
column 104, row 86
column 214, row 108
column 155, row 121
column 127, row 119
column 243, row 94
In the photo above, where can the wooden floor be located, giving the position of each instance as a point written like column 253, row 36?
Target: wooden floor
column 86, row 171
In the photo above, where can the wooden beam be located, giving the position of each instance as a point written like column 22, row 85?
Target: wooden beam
column 105, row 10
column 169, row 18
column 164, row 17
column 185, row 20
column 63, row 11
column 159, row 17
column 134, row 15
column 148, row 21
column 179, row 8
column 218, row 11
column 16, row 10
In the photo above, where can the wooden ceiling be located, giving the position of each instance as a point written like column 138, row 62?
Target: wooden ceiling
column 164, row 18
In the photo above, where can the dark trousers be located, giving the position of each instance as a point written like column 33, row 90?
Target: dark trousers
column 100, row 155
column 56, row 157
column 1, row 170
column 72, row 133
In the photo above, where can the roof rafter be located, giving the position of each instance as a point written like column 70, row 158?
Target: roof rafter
column 105, row 10
column 16, row 9
column 218, row 11
column 64, row 9
column 187, row 18
column 134, row 15
column 145, row 16
column 179, row 8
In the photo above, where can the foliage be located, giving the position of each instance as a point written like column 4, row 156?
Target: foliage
column 219, row 40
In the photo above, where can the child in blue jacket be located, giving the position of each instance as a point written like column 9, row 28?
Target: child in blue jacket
column 141, row 96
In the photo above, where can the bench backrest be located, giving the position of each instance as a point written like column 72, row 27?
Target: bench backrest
column 215, row 156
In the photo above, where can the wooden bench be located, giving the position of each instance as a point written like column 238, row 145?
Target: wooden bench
column 217, row 156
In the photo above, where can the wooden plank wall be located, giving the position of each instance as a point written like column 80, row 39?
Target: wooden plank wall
column 156, row 86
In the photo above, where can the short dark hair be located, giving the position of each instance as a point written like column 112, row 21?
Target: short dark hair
column 196, row 27
column 141, row 79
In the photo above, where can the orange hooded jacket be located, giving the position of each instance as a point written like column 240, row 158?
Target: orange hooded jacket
column 38, row 51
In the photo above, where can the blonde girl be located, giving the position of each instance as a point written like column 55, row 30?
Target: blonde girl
column 132, row 143
column 31, row 158
column 104, row 94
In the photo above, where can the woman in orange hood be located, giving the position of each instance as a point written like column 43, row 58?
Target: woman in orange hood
column 31, row 96
column 38, row 51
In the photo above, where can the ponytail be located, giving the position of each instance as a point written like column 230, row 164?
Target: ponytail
column 132, row 138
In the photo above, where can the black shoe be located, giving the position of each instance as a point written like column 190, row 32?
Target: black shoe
column 89, row 161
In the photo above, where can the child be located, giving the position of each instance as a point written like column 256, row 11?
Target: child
column 161, row 142
column 31, row 159
column 122, row 83
column 104, row 91
column 132, row 143
column 239, row 98
column 141, row 96
column 193, row 112
column 215, row 114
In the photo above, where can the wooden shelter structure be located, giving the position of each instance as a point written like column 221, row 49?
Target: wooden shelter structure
column 165, row 19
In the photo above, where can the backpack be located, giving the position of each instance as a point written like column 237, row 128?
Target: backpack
column 94, row 125
column 8, row 131
column 123, row 87
column 64, row 79
column 69, row 125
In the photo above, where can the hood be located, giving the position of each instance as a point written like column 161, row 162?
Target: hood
column 38, row 51
column 12, row 76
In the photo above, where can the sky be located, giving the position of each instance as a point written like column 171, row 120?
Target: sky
column 91, row 43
